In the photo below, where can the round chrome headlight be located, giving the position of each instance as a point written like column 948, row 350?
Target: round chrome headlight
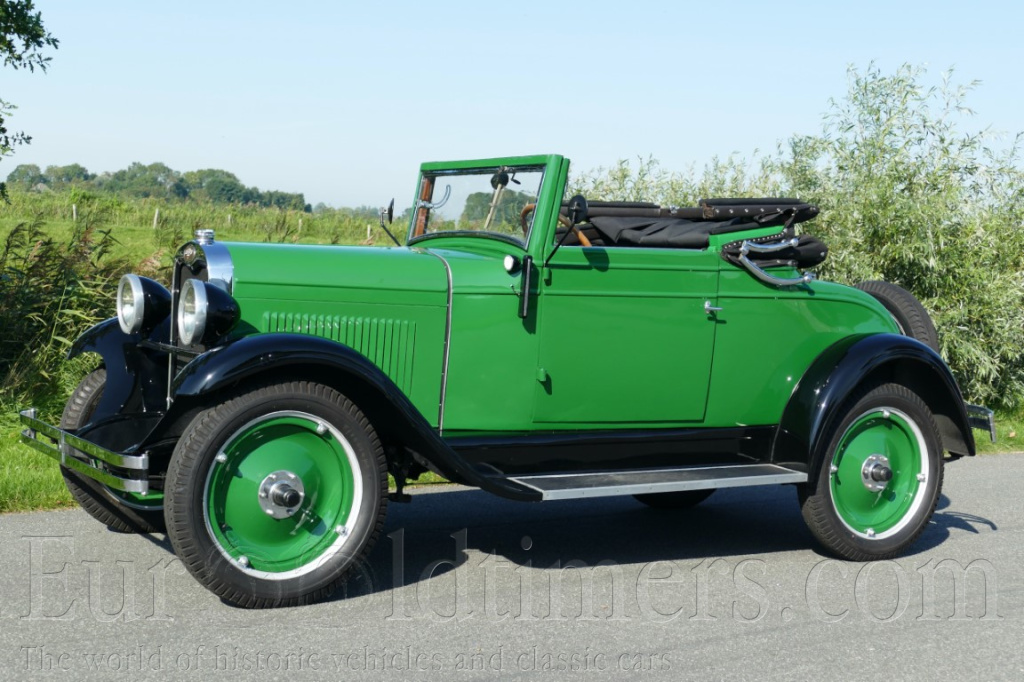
column 131, row 304
column 192, row 311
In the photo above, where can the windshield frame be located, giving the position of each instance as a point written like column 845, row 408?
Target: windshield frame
column 430, row 174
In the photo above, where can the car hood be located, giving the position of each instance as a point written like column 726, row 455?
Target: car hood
column 340, row 273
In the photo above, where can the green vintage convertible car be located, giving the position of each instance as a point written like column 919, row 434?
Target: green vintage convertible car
column 534, row 347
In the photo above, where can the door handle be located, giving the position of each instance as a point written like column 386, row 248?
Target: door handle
column 710, row 309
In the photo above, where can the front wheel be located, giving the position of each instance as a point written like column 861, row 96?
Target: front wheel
column 273, row 495
column 881, row 475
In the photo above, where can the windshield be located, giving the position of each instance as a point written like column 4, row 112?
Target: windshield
column 496, row 201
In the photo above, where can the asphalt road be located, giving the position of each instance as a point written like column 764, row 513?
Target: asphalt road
column 466, row 586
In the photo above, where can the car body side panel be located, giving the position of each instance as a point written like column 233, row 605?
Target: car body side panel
column 625, row 337
column 390, row 305
column 492, row 353
column 768, row 337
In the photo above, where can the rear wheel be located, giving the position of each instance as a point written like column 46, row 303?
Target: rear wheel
column 910, row 316
column 678, row 499
column 273, row 495
column 880, row 478
column 120, row 511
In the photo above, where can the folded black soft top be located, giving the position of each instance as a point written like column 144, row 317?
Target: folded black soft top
column 674, row 233
column 645, row 224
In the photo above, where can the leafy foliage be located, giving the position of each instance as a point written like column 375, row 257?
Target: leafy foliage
column 506, row 213
column 50, row 291
column 157, row 181
column 22, row 40
column 908, row 198
column 648, row 181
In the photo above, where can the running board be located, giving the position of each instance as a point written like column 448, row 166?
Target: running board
column 607, row 483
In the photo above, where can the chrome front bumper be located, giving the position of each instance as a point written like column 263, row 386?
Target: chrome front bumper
column 86, row 458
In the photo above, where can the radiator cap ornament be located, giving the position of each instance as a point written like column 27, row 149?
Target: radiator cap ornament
column 204, row 236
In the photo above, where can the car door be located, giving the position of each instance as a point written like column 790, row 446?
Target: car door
column 625, row 337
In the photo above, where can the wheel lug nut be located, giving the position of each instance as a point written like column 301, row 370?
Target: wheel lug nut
column 321, row 428
column 221, row 458
column 922, row 478
column 243, row 561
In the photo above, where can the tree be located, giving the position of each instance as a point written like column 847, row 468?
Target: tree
column 138, row 180
column 26, row 176
column 22, row 41
column 510, row 205
column 66, row 175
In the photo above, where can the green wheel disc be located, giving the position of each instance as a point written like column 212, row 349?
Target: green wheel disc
column 877, row 510
column 321, row 466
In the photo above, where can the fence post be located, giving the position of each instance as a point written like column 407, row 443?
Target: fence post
column 156, row 218
column 74, row 213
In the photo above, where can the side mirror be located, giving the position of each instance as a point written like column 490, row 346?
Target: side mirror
column 388, row 213
column 578, row 210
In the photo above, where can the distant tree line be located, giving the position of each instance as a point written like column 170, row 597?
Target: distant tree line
column 156, row 180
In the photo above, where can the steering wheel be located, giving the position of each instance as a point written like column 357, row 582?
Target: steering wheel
column 564, row 220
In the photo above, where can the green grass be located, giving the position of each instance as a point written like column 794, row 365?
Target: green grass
column 28, row 480
column 1009, row 435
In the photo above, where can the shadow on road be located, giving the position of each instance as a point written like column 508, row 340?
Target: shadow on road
column 434, row 533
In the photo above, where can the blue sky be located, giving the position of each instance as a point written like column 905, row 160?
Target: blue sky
column 343, row 100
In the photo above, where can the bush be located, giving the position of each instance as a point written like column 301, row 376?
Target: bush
column 908, row 198
column 50, row 291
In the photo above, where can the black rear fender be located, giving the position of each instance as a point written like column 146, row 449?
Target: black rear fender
column 859, row 361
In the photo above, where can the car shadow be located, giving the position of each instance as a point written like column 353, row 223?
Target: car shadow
column 435, row 532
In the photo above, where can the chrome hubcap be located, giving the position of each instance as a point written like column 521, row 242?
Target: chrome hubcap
column 876, row 473
column 281, row 494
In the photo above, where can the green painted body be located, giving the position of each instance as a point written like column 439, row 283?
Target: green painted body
column 616, row 337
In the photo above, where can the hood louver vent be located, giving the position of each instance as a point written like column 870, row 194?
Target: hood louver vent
column 389, row 344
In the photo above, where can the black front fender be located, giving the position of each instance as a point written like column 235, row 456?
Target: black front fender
column 136, row 375
column 260, row 353
column 834, row 376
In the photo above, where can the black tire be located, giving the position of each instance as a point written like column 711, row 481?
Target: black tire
column 850, row 519
column 114, row 510
column 679, row 499
column 911, row 317
column 222, row 523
